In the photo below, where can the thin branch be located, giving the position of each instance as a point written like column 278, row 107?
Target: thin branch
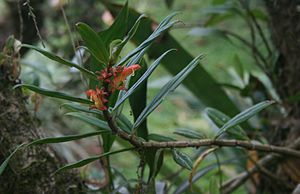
column 259, row 29
column 32, row 15
column 135, row 141
column 226, row 143
column 70, row 33
column 274, row 177
column 235, row 182
column 20, row 20
column 248, row 44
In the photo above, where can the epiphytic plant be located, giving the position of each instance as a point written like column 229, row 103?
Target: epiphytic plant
column 111, row 83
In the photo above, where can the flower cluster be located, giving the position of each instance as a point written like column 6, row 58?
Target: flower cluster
column 98, row 96
column 112, row 79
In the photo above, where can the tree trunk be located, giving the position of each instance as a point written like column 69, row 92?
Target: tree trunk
column 285, row 30
column 31, row 169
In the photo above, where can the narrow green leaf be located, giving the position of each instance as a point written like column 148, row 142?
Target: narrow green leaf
column 199, row 82
column 78, row 107
column 189, row 133
column 53, row 94
column 169, row 87
column 125, row 121
column 122, row 120
column 108, row 139
column 182, row 159
column 138, row 101
column 219, row 119
column 155, row 164
column 133, row 29
column 162, row 27
column 90, row 120
column 91, row 159
column 159, row 138
column 118, row 29
column 137, row 57
column 245, row 115
column 61, row 60
column 66, row 138
column 143, row 78
column 93, row 42
column 119, row 44
column 6, row 161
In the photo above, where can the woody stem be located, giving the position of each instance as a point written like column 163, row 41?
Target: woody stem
column 250, row 145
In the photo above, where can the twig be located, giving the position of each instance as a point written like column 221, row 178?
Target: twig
column 20, row 20
column 275, row 178
column 259, row 29
column 236, row 182
column 30, row 13
column 69, row 32
column 135, row 141
column 248, row 44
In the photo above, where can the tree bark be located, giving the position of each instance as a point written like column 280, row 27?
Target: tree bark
column 285, row 30
column 31, row 169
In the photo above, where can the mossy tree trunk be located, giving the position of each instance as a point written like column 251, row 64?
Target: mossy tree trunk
column 30, row 170
column 285, row 30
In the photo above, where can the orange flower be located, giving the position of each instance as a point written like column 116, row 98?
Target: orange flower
column 120, row 74
column 115, row 77
column 104, row 75
column 98, row 97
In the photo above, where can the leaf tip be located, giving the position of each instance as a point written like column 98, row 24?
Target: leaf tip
column 17, row 86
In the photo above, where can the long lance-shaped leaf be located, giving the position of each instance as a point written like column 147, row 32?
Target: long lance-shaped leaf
column 245, row 115
column 142, row 79
column 90, row 120
column 138, row 100
column 169, row 87
column 61, row 60
column 189, row 133
column 77, row 107
column 67, row 138
column 164, row 25
column 122, row 120
column 198, row 161
column 133, row 30
column 199, row 82
column 137, row 57
column 118, row 29
column 156, row 163
column 93, row 42
column 53, row 94
column 6, row 161
column 99, row 124
column 91, row 159
column 219, row 119
column 182, row 159
column 159, row 138
column 116, row 49
column 50, row 140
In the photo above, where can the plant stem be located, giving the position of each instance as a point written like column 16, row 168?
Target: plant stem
column 197, row 143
